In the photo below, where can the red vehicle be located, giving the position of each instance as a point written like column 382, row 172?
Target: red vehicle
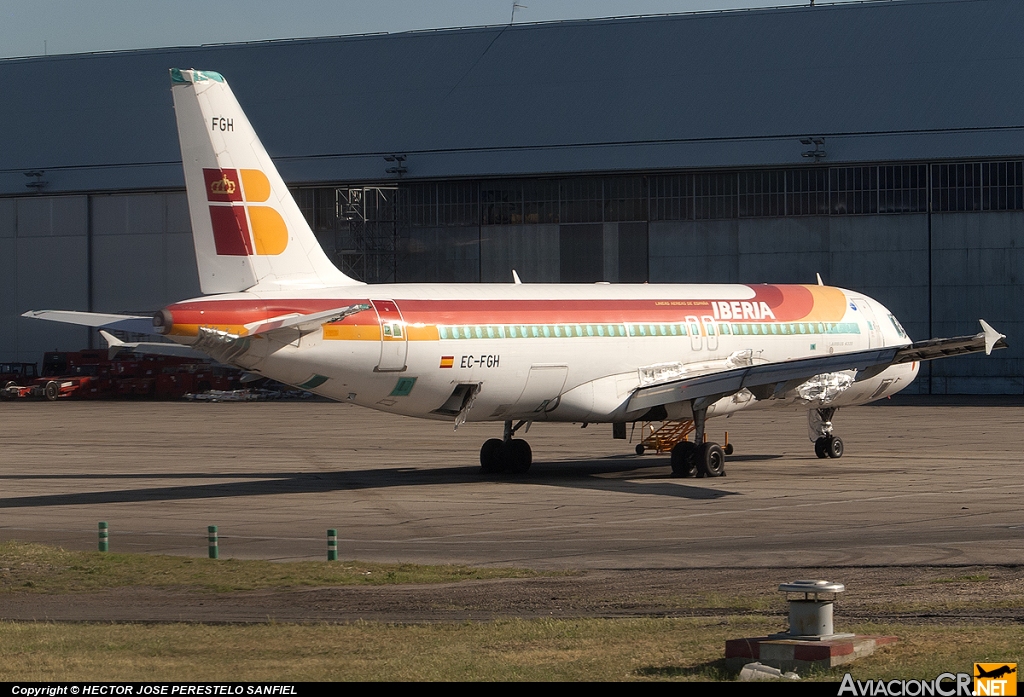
column 92, row 374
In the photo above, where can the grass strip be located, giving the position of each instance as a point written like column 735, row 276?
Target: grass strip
column 26, row 567
column 684, row 649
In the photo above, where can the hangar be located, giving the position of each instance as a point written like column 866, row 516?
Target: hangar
column 880, row 144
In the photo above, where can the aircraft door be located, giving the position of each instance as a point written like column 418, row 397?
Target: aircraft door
column 394, row 340
column 711, row 332
column 693, row 329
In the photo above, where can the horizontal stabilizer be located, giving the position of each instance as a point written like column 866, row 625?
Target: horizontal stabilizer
column 127, row 323
column 149, row 348
column 304, row 323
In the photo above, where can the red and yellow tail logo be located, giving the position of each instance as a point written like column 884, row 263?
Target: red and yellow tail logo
column 239, row 228
column 995, row 679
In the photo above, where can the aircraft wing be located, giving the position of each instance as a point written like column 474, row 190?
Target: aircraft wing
column 778, row 378
column 129, row 323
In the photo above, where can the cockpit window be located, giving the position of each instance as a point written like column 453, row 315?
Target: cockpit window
column 898, row 326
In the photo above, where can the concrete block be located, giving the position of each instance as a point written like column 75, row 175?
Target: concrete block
column 792, row 654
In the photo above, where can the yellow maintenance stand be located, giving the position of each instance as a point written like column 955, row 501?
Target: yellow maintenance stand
column 662, row 436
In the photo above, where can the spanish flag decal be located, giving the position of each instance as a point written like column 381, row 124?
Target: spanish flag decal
column 447, row 361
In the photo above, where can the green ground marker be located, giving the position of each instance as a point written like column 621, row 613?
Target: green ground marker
column 332, row 545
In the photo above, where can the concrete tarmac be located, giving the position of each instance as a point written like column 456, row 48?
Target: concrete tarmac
column 922, row 482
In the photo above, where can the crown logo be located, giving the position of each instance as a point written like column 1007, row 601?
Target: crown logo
column 222, row 186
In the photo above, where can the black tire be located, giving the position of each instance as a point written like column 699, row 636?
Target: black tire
column 492, row 456
column 834, row 447
column 519, row 456
column 711, row 460
column 51, row 390
column 728, row 449
column 682, row 459
column 820, row 447
column 640, row 449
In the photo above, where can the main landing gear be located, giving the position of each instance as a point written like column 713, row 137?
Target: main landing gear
column 506, row 454
column 819, row 425
column 698, row 459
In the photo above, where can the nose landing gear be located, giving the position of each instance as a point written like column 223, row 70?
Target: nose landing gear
column 819, row 425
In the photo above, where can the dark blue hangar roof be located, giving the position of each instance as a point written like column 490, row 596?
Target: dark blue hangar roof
column 879, row 81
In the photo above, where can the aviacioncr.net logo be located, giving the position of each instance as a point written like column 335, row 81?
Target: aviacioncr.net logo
column 995, row 679
column 945, row 685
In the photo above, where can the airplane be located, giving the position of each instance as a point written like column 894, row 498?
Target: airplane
column 517, row 353
column 995, row 673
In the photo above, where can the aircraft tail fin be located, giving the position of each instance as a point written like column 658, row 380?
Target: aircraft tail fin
column 248, row 230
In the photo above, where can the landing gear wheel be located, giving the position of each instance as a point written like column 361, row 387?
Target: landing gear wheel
column 834, row 447
column 518, row 456
column 682, row 459
column 492, row 456
column 710, row 460
column 640, row 449
column 820, row 446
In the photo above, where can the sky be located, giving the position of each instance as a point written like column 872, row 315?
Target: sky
column 51, row 27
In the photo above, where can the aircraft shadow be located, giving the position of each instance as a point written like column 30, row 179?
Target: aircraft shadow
column 615, row 475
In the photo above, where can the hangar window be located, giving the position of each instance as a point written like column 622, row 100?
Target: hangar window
column 903, row 189
column 581, row 201
column 422, row 208
column 714, row 196
column 440, row 204
column 1001, row 186
column 762, row 193
column 501, row 203
column 624, row 199
column 957, row 187
column 540, row 201
column 978, row 186
column 672, row 197
column 807, row 191
column 854, row 190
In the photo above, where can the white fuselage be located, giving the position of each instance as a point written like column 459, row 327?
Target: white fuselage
column 553, row 352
